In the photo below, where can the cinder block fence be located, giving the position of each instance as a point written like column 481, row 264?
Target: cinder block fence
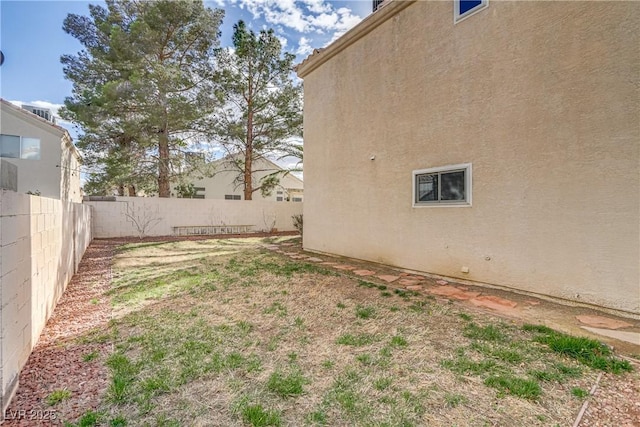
column 42, row 242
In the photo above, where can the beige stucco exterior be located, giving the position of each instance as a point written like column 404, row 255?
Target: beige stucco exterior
column 542, row 98
column 56, row 173
column 223, row 176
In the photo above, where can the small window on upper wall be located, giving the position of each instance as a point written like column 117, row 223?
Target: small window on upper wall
column 442, row 186
column 465, row 8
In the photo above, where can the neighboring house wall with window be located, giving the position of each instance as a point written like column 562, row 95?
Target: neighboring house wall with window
column 48, row 163
column 222, row 184
column 539, row 99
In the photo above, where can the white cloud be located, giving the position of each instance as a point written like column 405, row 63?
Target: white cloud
column 303, row 16
column 283, row 41
column 304, row 48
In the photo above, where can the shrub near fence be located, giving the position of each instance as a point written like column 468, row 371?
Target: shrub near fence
column 147, row 216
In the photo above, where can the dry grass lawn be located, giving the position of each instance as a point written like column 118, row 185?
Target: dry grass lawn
column 225, row 332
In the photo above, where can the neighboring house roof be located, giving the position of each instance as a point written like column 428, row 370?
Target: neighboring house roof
column 45, row 124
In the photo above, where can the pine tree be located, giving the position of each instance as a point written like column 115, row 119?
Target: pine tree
column 262, row 106
column 142, row 86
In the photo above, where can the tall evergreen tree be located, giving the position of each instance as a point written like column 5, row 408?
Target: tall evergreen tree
column 142, row 85
column 262, row 106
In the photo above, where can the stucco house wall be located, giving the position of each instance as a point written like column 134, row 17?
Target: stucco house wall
column 56, row 173
column 542, row 98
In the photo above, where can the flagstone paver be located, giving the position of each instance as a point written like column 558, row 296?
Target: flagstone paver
column 414, row 288
column 344, row 267
column 408, row 282
column 603, row 322
column 453, row 292
column 329, row 263
column 493, row 302
column 364, row 272
column 442, row 282
column 314, row 259
column 388, row 278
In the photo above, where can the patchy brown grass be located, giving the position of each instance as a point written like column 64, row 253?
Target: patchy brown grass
column 226, row 333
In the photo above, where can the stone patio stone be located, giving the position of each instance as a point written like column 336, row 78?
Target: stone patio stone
column 364, row 272
column 408, row 282
column 493, row 302
column 442, row 282
column 388, row 278
column 603, row 322
column 453, row 292
column 344, row 267
column 314, row 259
column 296, row 256
column 414, row 288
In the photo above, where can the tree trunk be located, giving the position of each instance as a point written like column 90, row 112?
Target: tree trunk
column 248, row 156
column 164, row 190
column 121, row 190
column 132, row 190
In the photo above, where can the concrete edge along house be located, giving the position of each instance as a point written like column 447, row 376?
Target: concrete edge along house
column 494, row 142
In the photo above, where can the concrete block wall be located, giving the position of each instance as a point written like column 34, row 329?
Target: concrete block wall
column 42, row 241
column 110, row 218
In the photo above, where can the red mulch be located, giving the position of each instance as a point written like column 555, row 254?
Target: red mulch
column 56, row 362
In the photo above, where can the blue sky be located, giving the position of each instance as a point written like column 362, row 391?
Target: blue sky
column 32, row 39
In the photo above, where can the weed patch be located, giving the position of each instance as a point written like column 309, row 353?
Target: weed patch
column 356, row 340
column 527, row 389
column 287, row 385
column 57, row 396
column 585, row 350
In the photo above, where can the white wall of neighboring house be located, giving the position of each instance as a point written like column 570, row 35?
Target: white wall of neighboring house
column 54, row 171
column 222, row 183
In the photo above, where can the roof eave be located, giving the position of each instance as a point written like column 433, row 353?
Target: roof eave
column 368, row 24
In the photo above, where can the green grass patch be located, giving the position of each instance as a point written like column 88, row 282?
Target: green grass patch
column 465, row 316
column 398, row 341
column 463, row 365
column 484, row 333
column 452, row 399
column 524, row 388
column 57, row 396
column 383, row 383
column 357, row 340
column 365, row 312
column 287, row 385
column 587, row 351
column 257, row 416
column 90, row 356
column 579, row 392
